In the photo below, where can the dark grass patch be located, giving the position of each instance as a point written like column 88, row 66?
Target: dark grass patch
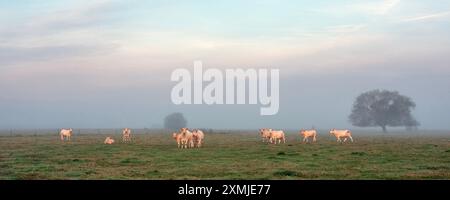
column 281, row 153
column 71, row 161
column 358, row 153
column 131, row 161
column 152, row 173
column 435, row 167
column 429, row 146
column 285, row 173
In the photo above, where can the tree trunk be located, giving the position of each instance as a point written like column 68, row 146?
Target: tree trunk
column 384, row 128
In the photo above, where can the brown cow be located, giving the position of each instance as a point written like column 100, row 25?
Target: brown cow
column 307, row 134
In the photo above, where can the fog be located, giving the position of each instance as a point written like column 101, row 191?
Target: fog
column 107, row 64
column 321, row 101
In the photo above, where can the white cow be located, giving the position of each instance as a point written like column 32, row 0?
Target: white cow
column 198, row 137
column 277, row 136
column 65, row 134
column 177, row 138
column 265, row 134
column 308, row 134
column 126, row 135
column 341, row 134
column 187, row 138
column 109, row 140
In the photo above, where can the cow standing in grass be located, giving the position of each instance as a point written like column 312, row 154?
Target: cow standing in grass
column 308, row 134
column 177, row 138
column 265, row 134
column 198, row 137
column 341, row 134
column 109, row 140
column 126, row 135
column 277, row 136
column 65, row 134
column 187, row 138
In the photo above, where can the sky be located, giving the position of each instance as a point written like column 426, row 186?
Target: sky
column 107, row 63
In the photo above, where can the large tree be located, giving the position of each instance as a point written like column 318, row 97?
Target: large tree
column 175, row 121
column 382, row 108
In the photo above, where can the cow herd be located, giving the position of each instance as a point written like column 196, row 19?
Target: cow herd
column 276, row 136
column 189, row 139
column 186, row 138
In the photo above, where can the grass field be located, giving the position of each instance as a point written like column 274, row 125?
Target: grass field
column 238, row 155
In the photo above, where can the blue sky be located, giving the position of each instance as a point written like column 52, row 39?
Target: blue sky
column 79, row 59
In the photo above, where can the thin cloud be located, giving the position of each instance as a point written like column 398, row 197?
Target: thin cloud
column 57, row 34
column 368, row 8
column 427, row 17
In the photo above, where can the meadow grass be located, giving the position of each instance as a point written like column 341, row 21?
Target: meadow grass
column 235, row 155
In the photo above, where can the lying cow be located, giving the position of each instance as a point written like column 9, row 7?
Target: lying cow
column 109, row 140
column 65, row 134
column 341, row 134
column 277, row 136
column 126, row 135
column 198, row 137
column 308, row 134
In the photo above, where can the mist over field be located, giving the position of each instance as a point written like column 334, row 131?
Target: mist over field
column 107, row 64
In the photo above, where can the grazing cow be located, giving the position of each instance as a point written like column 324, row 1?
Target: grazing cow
column 265, row 134
column 109, row 140
column 341, row 134
column 65, row 134
column 198, row 137
column 277, row 136
column 187, row 140
column 126, row 135
column 307, row 134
